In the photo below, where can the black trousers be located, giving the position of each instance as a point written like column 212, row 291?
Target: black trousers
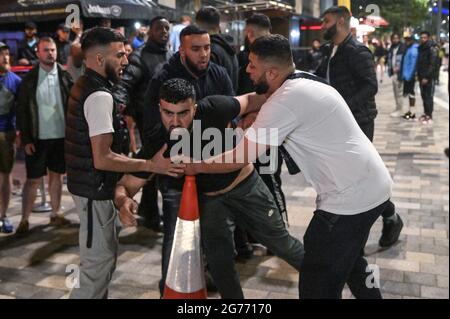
column 333, row 256
column 427, row 92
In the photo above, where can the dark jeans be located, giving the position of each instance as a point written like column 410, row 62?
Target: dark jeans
column 250, row 205
column 334, row 245
column 148, row 206
column 171, row 203
column 427, row 92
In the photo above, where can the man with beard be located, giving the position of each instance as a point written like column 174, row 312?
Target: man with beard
column 191, row 63
column 41, row 112
column 317, row 129
column 139, row 39
column 145, row 62
column 9, row 87
column 348, row 66
column 239, row 196
column 92, row 150
column 222, row 53
column 28, row 47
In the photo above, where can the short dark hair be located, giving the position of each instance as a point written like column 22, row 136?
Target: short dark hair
column 260, row 20
column 209, row 16
column 395, row 34
column 45, row 39
column 155, row 19
column 100, row 36
column 273, row 46
column 177, row 90
column 190, row 30
column 340, row 11
column 425, row 32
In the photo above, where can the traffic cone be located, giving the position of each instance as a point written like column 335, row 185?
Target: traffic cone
column 186, row 275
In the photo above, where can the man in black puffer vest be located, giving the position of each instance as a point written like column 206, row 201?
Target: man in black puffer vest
column 348, row 65
column 93, row 143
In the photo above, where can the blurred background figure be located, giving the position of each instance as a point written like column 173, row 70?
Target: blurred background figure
column 28, row 47
column 380, row 54
column 62, row 43
column 174, row 41
column 394, row 62
column 140, row 38
column 9, row 86
column 315, row 56
column 75, row 65
column 128, row 48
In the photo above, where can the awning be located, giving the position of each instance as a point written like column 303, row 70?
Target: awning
column 13, row 11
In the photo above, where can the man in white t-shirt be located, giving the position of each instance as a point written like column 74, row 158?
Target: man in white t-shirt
column 93, row 144
column 313, row 126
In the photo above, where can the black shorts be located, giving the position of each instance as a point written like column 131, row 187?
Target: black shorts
column 409, row 87
column 49, row 154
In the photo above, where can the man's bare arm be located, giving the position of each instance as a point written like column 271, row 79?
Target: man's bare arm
column 250, row 102
column 107, row 160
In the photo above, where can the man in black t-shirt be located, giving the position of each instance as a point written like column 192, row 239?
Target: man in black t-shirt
column 236, row 197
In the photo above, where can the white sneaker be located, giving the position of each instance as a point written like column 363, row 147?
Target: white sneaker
column 396, row 114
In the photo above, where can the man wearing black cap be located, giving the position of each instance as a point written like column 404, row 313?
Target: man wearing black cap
column 62, row 43
column 28, row 47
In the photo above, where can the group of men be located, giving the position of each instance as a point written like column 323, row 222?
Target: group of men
column 324, row 130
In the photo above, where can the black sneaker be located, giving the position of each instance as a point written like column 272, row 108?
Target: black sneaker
column 391, row 232
column 409, row 115
column 245, row 252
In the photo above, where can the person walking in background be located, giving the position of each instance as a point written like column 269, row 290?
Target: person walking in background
column 426, row 68
column 395, row 56
column 409, row 68
column 62, row 43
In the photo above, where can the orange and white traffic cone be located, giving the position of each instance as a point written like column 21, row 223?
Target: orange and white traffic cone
column 186, row 275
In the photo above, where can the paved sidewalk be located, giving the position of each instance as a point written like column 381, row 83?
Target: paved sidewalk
column 416, row 267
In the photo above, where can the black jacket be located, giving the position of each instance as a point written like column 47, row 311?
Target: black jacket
column 27, row 52
column 63, row 51
column 223, row 54
column 83, row 179
column 352, row 74
column 245, row 83
column 426, row 61
column 144, row 62
column 27, row 108
column 214, row 81
column 314, row 59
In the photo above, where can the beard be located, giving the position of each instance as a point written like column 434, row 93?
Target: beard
column 330, row 32
column 261, row 86
column 194, row 69
column 111, row 74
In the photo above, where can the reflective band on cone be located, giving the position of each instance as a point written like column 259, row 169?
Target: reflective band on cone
column 186, row 275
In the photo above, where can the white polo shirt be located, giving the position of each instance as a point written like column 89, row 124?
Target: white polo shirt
column 319, row 132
